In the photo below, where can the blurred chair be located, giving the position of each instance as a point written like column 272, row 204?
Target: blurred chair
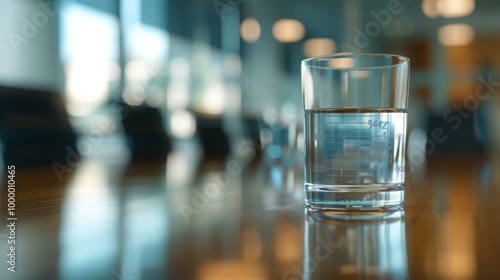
column 251, row 130
column 213, row 138
column 461, row 139
column 145, row 132
column 34, row 127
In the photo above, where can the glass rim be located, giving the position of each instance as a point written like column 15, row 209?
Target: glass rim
column 308, row 61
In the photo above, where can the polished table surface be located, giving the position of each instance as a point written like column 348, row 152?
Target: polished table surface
column 244, row 218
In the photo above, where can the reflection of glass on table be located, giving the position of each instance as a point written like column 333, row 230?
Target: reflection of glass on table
column 366, row 245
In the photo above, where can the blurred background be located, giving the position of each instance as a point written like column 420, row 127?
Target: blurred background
column 140, row 79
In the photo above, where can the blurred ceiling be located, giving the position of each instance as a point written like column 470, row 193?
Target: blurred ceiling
column 326, row 18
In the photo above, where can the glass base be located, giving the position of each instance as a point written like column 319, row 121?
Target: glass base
column 374, row 197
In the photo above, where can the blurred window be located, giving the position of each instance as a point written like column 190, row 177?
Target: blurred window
column 89, row 51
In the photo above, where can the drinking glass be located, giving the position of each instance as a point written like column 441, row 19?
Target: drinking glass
column 355, row 108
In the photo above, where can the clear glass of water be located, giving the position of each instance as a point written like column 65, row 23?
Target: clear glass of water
column 355, row 108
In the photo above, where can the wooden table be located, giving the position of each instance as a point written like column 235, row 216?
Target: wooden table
column 242, row 219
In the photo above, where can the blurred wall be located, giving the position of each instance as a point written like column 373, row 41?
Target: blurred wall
column 29, row 48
